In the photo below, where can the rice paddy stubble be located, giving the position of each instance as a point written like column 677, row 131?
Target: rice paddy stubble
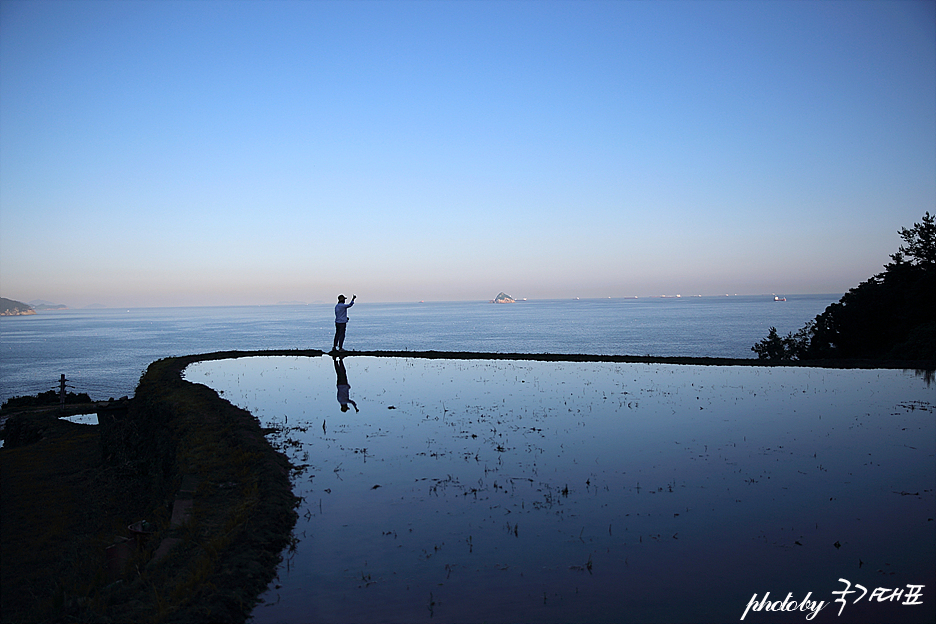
column 549, row 487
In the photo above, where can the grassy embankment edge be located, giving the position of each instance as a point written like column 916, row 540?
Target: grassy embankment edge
column 917, row 365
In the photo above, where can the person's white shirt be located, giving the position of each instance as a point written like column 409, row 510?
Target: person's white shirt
column 341, row 311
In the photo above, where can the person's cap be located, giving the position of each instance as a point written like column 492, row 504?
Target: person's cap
column 341, row 297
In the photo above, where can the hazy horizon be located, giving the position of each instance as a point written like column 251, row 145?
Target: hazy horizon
column 163, row 154
column 520, row 299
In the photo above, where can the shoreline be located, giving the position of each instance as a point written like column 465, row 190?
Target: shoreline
column 648, row 359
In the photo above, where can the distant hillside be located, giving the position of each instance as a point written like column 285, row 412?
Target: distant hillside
column 40, row 304
column 9, row 307
column 504, row 298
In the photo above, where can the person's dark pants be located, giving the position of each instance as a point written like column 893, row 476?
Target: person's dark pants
column 339, row 335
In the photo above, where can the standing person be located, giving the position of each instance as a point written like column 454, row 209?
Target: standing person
column 341, row 321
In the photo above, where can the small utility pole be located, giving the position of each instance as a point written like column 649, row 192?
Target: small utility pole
column 62, row 381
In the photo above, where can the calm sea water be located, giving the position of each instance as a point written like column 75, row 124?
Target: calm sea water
column 104, row 352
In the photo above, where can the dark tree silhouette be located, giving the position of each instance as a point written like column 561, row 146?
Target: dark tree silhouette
column 920, row 243
column 890, row 316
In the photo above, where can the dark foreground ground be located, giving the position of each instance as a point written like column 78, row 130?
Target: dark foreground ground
column 69, row 492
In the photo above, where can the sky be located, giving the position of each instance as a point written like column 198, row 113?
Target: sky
column 247, row 153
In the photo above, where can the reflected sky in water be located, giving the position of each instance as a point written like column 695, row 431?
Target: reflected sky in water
column 467, row 490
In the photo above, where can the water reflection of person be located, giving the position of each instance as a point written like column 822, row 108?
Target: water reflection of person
column 344, row 388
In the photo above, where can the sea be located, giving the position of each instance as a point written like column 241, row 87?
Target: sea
column 103, row 352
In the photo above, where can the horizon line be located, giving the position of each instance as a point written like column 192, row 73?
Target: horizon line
column 411, row 301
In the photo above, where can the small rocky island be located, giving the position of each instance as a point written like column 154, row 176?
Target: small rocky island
column 504, row 298
column 9, row 307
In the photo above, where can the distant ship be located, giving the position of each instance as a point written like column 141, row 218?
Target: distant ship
column 779, row 298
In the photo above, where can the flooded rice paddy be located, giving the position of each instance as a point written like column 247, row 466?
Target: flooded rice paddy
column 502, row 491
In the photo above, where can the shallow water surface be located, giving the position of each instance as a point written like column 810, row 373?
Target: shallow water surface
column 557, row 491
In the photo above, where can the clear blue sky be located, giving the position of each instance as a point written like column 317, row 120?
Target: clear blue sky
column 246, row 152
